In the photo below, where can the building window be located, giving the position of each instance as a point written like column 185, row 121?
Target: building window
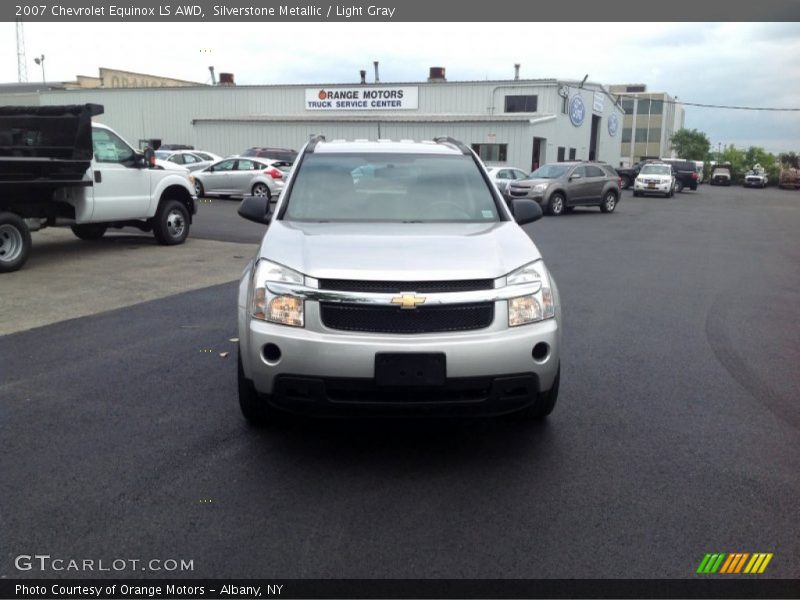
column 572, row 153
column 656, row 107
column 655, row 136
column 626, row 135
column 491, row 152
column 561, row 150
column 521, row 104
column 644, row 106
column 627, row 106
column 641, row 135
column 634, row 88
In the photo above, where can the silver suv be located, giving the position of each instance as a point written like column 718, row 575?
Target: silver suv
column 560, row 187
column 394, row 279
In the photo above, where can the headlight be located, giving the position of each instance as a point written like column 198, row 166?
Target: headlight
column 266, row 306
column 540, row 187
column 532, row 307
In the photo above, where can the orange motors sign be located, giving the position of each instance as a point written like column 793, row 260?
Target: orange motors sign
column 367, row 97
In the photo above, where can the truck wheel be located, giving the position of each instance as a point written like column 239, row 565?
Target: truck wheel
column 15, row 242
column 89, row 232
column 198, row 188
column 171, row 223
column 544, row 404
column 556, row 205
column 609, row 202
column 679, row 186
column 624, row 183
column 255, row 408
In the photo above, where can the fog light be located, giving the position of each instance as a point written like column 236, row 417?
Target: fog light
column 540, row 351
column 271, row 353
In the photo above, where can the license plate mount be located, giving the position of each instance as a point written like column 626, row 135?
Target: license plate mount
column 410, row 369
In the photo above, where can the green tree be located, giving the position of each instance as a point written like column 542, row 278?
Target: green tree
column 790, row 159
column 690, row 144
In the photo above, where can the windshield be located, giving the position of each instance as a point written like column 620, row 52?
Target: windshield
column 549, row 172
column 656, row 170
column 390, row 187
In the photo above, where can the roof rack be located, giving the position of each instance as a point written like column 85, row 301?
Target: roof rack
column 313, row 140
column 458, row 144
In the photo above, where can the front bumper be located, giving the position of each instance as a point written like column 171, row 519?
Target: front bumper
column 487, row 372
column 658, row 188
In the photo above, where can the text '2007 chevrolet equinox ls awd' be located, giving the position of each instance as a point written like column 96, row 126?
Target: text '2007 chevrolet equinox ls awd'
column 393, row 279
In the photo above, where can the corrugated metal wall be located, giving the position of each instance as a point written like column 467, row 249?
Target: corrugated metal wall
column 170, row 114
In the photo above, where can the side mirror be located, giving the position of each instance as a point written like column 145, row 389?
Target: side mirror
column 256, row 209
column 525, row 210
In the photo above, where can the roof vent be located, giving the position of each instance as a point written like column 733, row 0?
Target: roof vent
column 436, row 74
column 226, row 79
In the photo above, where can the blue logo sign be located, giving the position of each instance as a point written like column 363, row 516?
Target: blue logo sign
column 577, row 111
column 613, row 124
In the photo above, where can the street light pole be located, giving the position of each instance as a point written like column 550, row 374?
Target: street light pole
column 39, row 60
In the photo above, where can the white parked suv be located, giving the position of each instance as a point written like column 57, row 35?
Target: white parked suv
column 393, row 278
column 655, row 178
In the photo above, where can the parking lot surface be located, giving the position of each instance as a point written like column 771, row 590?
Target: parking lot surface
column 677, row 430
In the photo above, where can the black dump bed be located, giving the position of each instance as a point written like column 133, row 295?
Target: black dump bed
column 46, row 145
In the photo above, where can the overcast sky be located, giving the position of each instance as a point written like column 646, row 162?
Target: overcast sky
column 748, row 64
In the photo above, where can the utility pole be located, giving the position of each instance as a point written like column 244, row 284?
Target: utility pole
column 22, row 68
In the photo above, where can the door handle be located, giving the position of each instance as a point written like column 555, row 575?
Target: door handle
column 98, row 177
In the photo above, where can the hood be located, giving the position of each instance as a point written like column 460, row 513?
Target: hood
column 653, row 176
column 170, row 166
column 399, row 251
column 529, row 183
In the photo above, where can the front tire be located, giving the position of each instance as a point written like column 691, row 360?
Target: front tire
column 89, row 232
column 544, row 404
column 678, row 187
column 199, row 190
column 15, row 242
column 171, row 223
column 557, row 204
column 609, row 202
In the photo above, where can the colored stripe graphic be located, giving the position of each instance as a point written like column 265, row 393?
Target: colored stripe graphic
column 727, row 564
column 745, row 556
column 765, row 563
column 703, row 563
column 734, row 563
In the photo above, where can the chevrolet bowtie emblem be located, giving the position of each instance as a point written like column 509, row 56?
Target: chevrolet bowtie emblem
column 408, row 300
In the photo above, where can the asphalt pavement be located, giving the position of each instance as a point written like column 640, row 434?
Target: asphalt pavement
column 677, row 430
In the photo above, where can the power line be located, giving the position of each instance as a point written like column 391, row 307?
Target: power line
column 703, row 105
column 633, row 96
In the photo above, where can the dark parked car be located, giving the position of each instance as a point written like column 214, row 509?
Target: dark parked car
column 559, row 187
column 685, row 172
column 281, row 154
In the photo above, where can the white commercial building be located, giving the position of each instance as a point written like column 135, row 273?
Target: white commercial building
column 517, row 122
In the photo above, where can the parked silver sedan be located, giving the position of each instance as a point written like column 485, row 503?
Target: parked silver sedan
column 503, row 176
column 192, row 160
column 240, row 176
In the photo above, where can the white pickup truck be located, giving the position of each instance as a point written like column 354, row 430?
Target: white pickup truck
column 58, row 168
